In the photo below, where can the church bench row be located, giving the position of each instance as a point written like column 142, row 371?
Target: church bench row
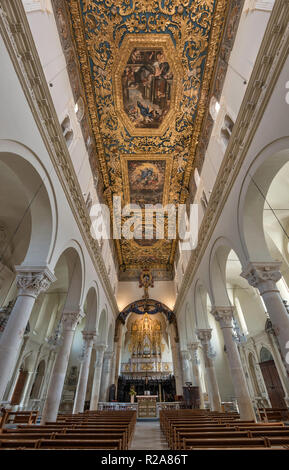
column 181, row 427
column 109, row 431
column 183, row 435
column 191, row 431
column 89, row 432
column 235, row 443
column 75, row 437
column 15, row 417
column 273, row 414
column 112, row 444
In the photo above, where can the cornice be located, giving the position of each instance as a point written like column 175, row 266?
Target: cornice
column 270, row 60
column 19, row 42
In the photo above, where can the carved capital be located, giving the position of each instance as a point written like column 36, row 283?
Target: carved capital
column 204, row 334
column 224, row 315
column 193, row 350
column 33, row 280
column 71, row 319
column 88, row 336
column 185, row 355
column 263, row 275
column 108, row 355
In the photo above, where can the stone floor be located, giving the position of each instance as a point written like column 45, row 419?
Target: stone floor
column 148, row 436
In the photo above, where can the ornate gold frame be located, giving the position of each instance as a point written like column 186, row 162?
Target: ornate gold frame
column 146, row 157
column 148, row 42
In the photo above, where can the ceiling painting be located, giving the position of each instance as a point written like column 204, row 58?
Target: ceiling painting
column 147, row 68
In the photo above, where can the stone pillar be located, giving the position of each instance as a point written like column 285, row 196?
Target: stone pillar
column 225, row 315
column 204, row 335
column 79, row 400
column 193, row 349
column 185, row 357
column 105, row 376
column 264, row 276
column 30, row 282
column 47, row 377
column 177, row 367
column 99, row 349
column 117, row 349
column 50, row 410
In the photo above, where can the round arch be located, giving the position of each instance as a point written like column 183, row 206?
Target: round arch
column 29, row 210
column 254, row 189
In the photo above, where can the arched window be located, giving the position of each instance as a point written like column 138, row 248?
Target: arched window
column 265, row 355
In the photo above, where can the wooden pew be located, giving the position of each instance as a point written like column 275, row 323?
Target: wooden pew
column 105, row 431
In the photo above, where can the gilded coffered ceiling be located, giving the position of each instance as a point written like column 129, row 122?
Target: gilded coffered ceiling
column 147, row 68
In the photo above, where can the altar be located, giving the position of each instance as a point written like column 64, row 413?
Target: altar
column 147, row 406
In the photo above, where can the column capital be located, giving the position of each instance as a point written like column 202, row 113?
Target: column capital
column 88, row 336
column 108, row 355
column 193, row 346
column 185, row 354
column 204, row 334
column 71, row 319
column 32, row 280
column 100, row 347
column 263, row 275
column 193, row 350
column 224, row 315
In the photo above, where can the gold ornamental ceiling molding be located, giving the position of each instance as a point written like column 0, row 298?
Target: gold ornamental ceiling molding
column 129, row 140
column 270, row 60
column 16, row 33
column 147, row 42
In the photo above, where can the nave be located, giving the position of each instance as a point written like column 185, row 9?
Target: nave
column 118, row 120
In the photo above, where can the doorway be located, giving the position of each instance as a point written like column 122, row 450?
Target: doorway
column 272, row 380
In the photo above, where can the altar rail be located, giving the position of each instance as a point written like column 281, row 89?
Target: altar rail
column 133, row 406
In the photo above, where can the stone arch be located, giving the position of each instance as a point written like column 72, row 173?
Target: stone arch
column 110, row 337
column 189, row 322
column 102, row 326
column 217, row 271
column 29, row 209
column 71, row 256
column 150, row 306
column 40, row 374
column 201, row 305
column 91, row 308
column 69, row 272
column 254, row 189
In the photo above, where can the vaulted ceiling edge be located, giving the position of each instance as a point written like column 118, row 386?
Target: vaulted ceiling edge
column 147, row 70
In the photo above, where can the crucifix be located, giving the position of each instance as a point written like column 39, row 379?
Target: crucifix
column 146, row 281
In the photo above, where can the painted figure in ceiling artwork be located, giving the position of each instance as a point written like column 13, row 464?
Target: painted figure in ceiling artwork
column 146, row 87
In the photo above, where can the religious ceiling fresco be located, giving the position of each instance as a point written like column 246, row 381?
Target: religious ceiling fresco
column 147, row 68
column 146, row 88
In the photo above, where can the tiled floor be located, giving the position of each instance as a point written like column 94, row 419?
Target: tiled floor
column 148, row 436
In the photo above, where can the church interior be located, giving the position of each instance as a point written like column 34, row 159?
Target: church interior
column 120, row 120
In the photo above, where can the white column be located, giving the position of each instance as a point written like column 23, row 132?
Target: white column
column 264, row 276
column 99, row 349
column 177, row 366
column 193, row 349
column 50, row 410
column 30, row 282
column 186, row 366
column 118, row 344
column 204, row 335
column 79, row 400
column 225, row 315
column 105, row 376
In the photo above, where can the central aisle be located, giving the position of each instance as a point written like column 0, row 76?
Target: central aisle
column 148, row 436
